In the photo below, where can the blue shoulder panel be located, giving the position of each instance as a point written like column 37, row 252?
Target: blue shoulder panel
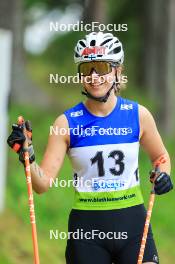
column 120, row 126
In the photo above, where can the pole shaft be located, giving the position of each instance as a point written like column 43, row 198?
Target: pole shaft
column 30, row 193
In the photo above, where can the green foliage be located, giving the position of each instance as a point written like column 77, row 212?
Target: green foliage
column 61, row 51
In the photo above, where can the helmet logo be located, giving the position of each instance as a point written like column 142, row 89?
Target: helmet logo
column 94, row 50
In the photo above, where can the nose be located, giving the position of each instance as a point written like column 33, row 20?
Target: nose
column 94, row 76
column 94, row 73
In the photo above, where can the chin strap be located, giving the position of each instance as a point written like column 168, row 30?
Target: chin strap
column 102, row 99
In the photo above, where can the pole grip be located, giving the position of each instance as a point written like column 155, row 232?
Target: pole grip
column 17, row 146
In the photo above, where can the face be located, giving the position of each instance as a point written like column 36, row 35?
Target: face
column 98, row 85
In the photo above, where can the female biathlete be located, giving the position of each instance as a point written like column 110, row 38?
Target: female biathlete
column 108, row 208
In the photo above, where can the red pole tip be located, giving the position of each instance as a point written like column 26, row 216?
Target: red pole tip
column 20, row 120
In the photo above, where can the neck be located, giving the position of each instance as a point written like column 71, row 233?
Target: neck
column 101, row 109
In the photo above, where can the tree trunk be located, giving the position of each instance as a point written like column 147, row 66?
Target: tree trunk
column 169, row 106
column 95, row 10
column 158, row 54
column 162, row 67
column 23, row 88
column 149, row 22
column 6, row 7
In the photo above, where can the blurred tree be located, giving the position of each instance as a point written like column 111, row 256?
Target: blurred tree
column 6, row 7
column 170, row 111
column 22, row 89
column 18, row 76
column 123, row 12
column 95, row 10
column 158, row 77
column 150, row 27
column 150, row 50
column 51, row 4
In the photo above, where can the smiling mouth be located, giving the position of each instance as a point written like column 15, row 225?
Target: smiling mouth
column 96, row 87
column 96, row 84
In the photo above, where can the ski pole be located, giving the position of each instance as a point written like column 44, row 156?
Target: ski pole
column 29, row 188
column 153, row 176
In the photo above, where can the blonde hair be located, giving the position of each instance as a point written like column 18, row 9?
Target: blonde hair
column 119, row 83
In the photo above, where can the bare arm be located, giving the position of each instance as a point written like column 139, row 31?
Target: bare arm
column 53, row 158
column 151, row 141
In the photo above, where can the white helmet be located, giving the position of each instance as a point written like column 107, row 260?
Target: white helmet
column 99, row 46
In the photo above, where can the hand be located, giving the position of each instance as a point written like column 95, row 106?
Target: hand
column 17, row 137
column 163, row 183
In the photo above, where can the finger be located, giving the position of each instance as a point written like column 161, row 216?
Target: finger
column 161, row 183
column 160, row 177
column 17, row 127
column 28, row 125
column 164, row 189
